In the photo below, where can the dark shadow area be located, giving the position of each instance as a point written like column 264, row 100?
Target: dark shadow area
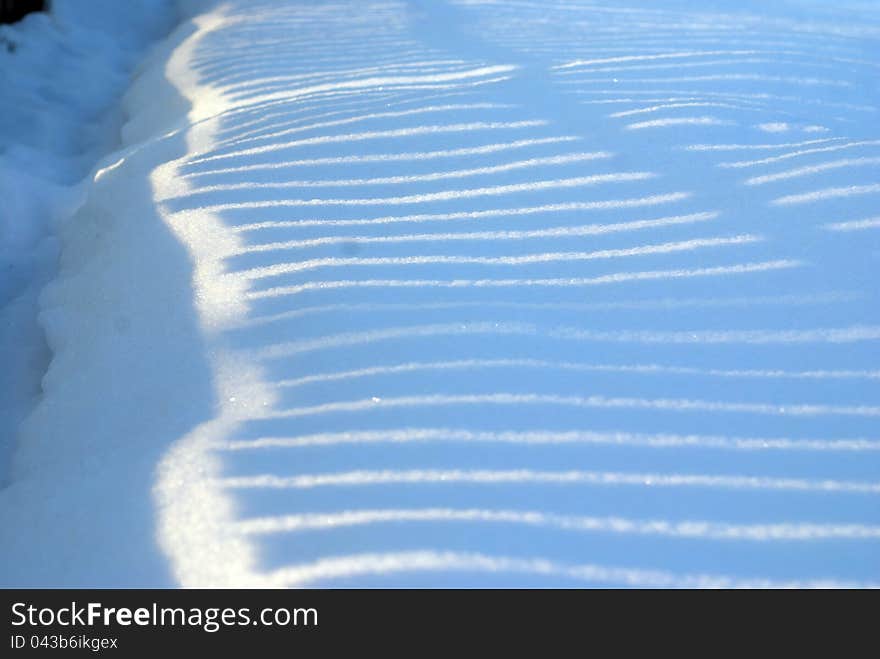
column 12, row 11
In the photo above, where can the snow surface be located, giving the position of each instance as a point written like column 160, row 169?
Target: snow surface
column 469, row 293
column 61, row 74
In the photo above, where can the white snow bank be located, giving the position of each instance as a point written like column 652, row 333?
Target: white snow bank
column 395, row 294
column 61, row 74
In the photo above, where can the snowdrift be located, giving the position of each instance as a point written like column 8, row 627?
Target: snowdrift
column 471, row 294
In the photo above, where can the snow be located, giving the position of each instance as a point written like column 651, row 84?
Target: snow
column 61, row 74
column 453, row 293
